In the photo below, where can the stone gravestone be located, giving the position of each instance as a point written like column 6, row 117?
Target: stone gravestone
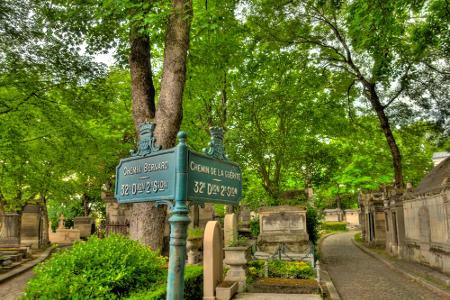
column 62, row 234
column 230, row 229
column 212, row 259
column 84, row 225
column 205, row 214
column 352, row 217
column 244, row 217
column 10, row 230
column 333, row 215
column 30, row 226
column 283, row 230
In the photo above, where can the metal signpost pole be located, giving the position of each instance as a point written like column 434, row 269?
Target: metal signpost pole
column 179, row 221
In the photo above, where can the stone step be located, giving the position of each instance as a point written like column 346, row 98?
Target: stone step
column 267, row 296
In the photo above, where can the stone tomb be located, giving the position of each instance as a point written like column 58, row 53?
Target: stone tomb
column 352, row 217
column 9, row 230
column 85, row 225
column 31, row 226
column 62, row 234
column 333, row 215
column 283, row 231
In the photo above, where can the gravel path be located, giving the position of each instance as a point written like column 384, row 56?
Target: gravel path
column 356, row 275
column 14, row 288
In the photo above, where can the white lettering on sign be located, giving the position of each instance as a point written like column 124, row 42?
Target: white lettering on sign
column 212, row 189
column 145, row 168
column 214, row 171
column 148, row 187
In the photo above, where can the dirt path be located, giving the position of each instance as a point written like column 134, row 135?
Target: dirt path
column 14, row 288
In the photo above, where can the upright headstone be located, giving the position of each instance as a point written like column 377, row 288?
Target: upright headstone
column 244, row 216
column 61, row 222
column 30, row 226
column 10, row 230
column 230, row 229
column 212, row 259
column 85, row 225
column 205, row 214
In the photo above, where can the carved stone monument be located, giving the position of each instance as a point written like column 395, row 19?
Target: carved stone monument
column 85, row 225
column 333, row 215
column 10, row 230
column 283, row 230
column 62, row 234
column 31, row 225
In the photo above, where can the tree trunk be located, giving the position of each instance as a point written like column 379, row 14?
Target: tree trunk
column 170, row 109
column 44, row 237
column 147, row 221
column 142, row 88
column 385, row 126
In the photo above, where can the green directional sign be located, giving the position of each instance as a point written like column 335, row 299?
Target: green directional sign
column 148, row 178
column 213, row 180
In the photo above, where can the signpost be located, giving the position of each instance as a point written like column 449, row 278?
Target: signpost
column 173, row 177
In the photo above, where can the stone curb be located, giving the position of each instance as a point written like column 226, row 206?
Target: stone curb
column 445, row 294
column 324, row 276
column 28, row 265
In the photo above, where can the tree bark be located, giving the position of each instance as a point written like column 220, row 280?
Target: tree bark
column 142, row 88
column 386, row 128
column 170, row 109
column 147, row 221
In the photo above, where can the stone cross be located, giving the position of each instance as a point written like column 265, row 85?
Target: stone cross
column 212, row 259
column 61, row 222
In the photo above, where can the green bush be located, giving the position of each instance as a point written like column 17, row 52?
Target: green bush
column 312, row 227
column 281, row 269
column 108, row 268
column 193, row 287
column 334, row 226
column 254, row 227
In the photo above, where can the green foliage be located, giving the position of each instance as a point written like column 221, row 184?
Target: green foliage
column 107, row 268
column 281, row 269
column 193, row 287
column 312, row 224
column 241, row 241
column 254, row 227
column 358, row 237
column 195, row 232
column 333, row 226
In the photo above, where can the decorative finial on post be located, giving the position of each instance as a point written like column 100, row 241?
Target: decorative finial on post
column 182, row 136
column 216, row 148
column 147, row 142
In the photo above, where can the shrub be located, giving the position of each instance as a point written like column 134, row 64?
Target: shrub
column 254, row 227
column 193, row 287
column 281, row 269
column 334, row 226
column 195, row 232
column 107, row 268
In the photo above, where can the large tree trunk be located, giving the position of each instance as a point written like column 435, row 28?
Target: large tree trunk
column 386, row 127
column 170, row 109
column 147, row 221
column 142, row 88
